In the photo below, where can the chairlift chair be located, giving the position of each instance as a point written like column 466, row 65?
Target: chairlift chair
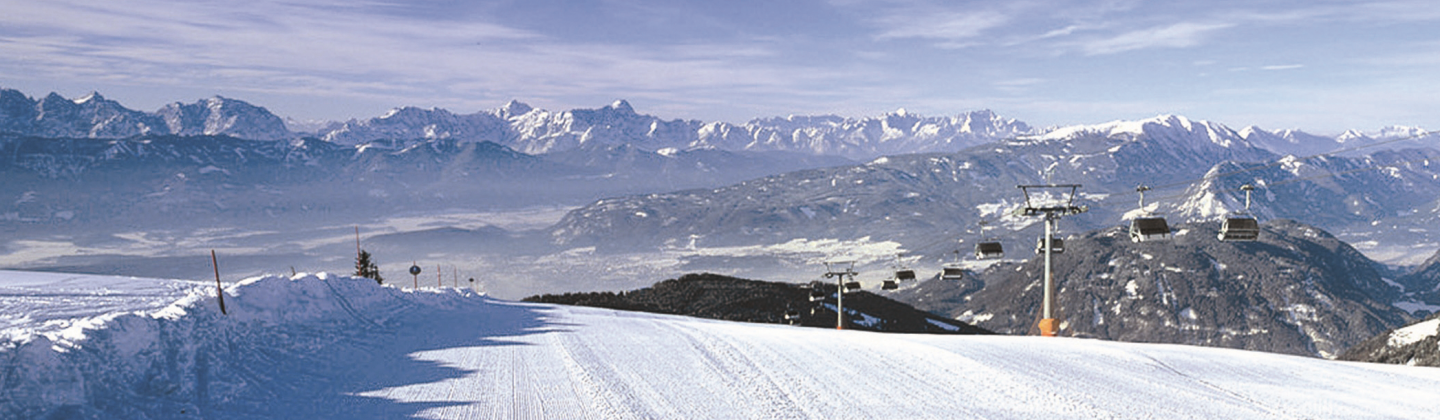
column 989, row 250
column 791, row 315
column 1057, row 245
column 851, row 286
column 1148, row 228
column 817, row 295
column 952, row 272
column 905, row 275
column 1144, row 229
column 1241, row 226
column 890, row 284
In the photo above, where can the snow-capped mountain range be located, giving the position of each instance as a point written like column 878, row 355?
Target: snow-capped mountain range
column 536, row 131
column 93, row 116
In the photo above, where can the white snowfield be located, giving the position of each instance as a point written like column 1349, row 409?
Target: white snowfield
column 322, row 346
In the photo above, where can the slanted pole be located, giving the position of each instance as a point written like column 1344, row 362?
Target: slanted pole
column 219, row 288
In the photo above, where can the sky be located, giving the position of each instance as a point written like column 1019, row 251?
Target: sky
column 1316, row 65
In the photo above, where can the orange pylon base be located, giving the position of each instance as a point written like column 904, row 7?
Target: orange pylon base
column 1049, row 327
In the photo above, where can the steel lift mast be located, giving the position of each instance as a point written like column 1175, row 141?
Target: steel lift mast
column 1048, row 325
column 839, row 270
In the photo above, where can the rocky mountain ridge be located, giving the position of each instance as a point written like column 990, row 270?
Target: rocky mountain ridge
column 94, row 116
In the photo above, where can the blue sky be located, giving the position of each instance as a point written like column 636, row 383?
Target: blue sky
column 1321, row 66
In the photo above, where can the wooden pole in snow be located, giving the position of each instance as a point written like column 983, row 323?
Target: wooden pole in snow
column 219, row 289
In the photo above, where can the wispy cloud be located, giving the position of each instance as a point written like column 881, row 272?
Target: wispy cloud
column 357, row 50
column 946, row 26
column 1282, row 67
column 1178, row 35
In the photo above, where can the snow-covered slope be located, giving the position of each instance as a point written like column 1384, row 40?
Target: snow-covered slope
column 319, row 346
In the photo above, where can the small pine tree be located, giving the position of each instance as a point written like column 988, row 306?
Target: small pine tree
column 366, row 268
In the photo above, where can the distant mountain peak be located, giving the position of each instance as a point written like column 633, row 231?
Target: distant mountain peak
column 620, row 105
column 92, row 96
column 1131, row 127
column 515, row 108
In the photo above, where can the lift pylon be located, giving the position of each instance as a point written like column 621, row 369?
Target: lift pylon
column 1049, row 327
column 839, row 270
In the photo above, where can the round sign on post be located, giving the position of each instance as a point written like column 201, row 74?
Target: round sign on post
column 414, row 270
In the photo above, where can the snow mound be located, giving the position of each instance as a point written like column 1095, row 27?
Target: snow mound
column 187, row 358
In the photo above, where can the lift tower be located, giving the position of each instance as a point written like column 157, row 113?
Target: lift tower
column 1048, row 325
column 839, row 270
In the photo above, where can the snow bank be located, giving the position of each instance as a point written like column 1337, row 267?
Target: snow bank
column 179, row 360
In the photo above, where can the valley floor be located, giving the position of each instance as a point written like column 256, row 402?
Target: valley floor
column 334, row 347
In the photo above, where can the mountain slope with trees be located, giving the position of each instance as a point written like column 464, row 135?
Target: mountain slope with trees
column 734, row 299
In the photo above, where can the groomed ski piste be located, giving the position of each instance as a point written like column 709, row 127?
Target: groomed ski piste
column 326, row 346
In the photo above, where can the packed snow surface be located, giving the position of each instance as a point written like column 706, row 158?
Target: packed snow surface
column 322, row 346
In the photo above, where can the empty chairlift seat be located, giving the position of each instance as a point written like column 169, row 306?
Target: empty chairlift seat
column 890, row 284
column 851, row 286
column 1144, row 229
column 952, row 272
column 1239, row 228
column 989, row 250
column 905, row 275
column 1057, row 245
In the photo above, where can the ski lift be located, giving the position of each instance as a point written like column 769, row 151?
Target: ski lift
column 1241, row 226
column 902, row 273
column 1057, row 245
column 1148, row 228
column 953, row 271
column 816, row 294
column 988, row 248
column 851, row 286
column 1143, row 229
column 791, row 315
